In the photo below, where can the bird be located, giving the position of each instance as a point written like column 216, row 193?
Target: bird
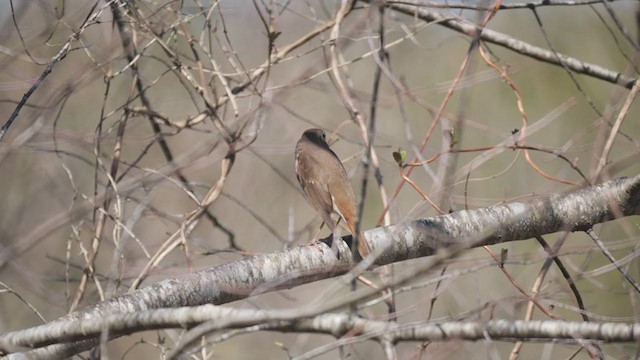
column 325, row 183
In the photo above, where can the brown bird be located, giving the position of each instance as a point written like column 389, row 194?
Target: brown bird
column 324, row 181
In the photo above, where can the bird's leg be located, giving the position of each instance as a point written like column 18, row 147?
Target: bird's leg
column 334, row 243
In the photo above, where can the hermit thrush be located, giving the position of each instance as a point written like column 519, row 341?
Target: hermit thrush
column 324, row 181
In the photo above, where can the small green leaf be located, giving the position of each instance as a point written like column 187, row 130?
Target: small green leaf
column 400, row 156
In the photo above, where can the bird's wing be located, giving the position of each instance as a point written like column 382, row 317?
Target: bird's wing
column 344, row 200
column 317, row 193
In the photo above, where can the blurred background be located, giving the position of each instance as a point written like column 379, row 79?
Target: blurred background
column 138, row 107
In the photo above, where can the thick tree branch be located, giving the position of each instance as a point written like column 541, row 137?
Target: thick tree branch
column 337, row 325
column 577, row 210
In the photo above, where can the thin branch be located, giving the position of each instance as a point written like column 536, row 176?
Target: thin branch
column 461, row 25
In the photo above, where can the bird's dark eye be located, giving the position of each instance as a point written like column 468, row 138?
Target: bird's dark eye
column 324, row 136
